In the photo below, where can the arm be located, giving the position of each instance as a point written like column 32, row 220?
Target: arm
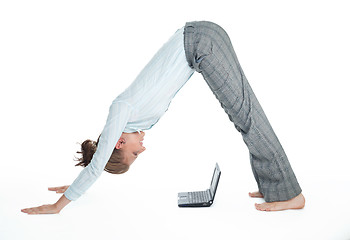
column 117, row 119
column 62, row 202
column 50, row 208
column 119, row 113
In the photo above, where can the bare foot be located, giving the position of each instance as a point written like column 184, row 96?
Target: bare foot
column 255, row 195
column 295, row 203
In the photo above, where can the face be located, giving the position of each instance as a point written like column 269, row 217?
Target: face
column 132, row 145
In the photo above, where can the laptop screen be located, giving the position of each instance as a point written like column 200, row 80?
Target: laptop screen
column 215, row 180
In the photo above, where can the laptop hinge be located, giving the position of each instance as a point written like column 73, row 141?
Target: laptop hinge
column 209, row 193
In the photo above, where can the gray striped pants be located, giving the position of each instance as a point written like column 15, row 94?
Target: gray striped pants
column 209, row 51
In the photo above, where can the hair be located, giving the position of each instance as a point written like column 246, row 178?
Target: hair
column 115, row 163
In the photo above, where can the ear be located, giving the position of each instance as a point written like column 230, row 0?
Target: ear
column 120, row 143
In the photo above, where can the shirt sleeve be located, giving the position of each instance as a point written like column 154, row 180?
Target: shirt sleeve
column 118, row 116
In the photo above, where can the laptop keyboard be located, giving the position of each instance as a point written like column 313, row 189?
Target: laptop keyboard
column 198, row 197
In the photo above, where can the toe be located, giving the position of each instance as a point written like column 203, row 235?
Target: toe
column 262, row 207
column 255, row 194
column 258, row 206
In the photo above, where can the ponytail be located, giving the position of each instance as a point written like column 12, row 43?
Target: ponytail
column 88, row 148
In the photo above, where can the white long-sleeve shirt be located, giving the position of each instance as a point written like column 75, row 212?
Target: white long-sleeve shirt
column 139, row 107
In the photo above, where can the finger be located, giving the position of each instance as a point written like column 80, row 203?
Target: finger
column 28, row 210
column 35, row 210
column 32, row 212
column 56, row 188
column 63, row 189
column 60, row 187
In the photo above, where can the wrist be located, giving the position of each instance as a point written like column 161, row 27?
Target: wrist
column 57, row 208
column 62, row 202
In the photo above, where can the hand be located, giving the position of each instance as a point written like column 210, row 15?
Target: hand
column 61, row 189
column 50, row 208
column 44, row 209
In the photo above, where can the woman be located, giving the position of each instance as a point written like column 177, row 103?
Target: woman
column 206, row 48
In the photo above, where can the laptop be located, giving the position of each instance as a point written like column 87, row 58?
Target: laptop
column 201, row 198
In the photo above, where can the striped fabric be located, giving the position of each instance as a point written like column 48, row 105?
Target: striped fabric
column 139, row 107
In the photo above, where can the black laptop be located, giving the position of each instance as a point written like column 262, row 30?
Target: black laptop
column 201, row 198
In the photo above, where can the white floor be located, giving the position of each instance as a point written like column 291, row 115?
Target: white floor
column 121, row 211
column 64, row 62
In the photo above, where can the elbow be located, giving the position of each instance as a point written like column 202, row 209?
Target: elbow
column 94, row 171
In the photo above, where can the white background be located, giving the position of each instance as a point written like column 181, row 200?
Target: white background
column 63, row 62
